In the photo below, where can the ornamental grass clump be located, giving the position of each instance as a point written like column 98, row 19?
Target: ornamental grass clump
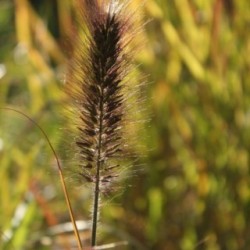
column 99, row 85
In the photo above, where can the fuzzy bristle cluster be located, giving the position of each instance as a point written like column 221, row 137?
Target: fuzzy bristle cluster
column 96, row 83
column 102, row 103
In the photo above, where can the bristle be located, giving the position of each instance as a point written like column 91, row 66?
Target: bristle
column 96, row 83
column 99, row 75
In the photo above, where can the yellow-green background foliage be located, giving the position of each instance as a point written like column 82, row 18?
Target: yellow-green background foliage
column 193, row 191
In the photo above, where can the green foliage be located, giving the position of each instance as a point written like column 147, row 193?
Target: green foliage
column 194, row 190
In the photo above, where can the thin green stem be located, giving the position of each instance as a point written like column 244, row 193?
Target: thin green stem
column 97, row 179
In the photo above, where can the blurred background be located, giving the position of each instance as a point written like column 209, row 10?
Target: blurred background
column 193, row 191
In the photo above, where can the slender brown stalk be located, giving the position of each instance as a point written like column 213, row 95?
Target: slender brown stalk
column 65, row 191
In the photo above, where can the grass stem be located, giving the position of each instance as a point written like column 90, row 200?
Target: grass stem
column 65, row 191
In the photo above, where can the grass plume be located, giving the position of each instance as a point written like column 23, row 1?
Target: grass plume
column 96, row 83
